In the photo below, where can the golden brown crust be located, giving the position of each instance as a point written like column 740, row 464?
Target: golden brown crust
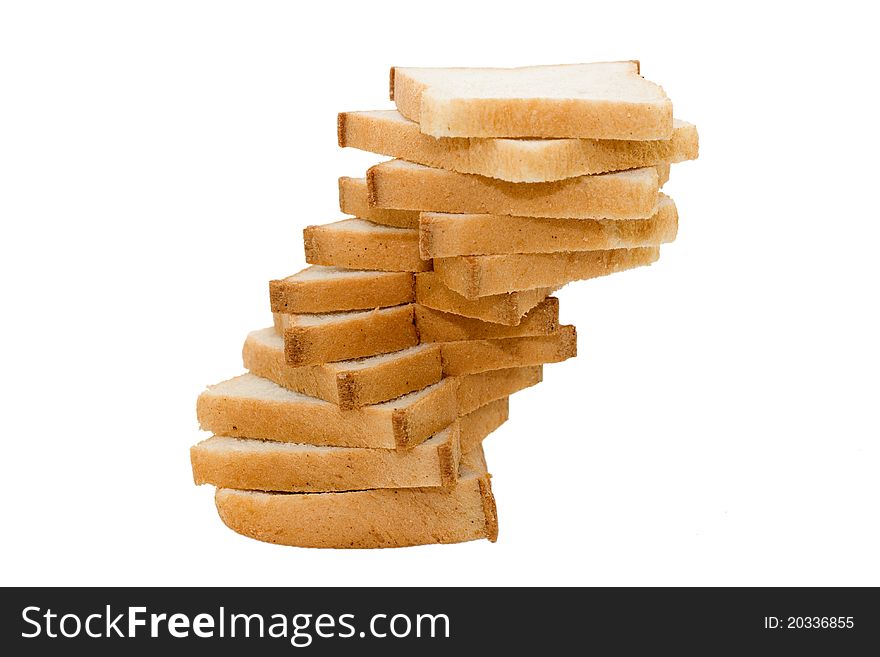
column 340, row 129
column 490, row 510
column 449, row 455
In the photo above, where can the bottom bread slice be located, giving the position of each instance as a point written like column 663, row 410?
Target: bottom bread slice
column 380, row 518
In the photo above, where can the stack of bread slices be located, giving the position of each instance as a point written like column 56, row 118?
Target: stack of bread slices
column 361, row 419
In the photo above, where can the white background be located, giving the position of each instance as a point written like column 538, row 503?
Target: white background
column 159, row 160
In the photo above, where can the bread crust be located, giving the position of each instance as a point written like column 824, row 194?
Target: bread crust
column 273, row 466
column 362, row 334
column 348, row 384
column 380, row 518
column 621, row 195
column 507, row 309
column 478, row 424
column 513, row 160
column 376, row 518
column 340, row 244
column 354, row 200
column 276, row 414
column 476, row 390
column 444, row 235
column 477, row 276
column 472, row 356
column 437, row 326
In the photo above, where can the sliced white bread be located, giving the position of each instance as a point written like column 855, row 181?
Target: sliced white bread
column 516, row 160
column 320, row 289
column 361, row 244
column 472, row 356
column 290, row 467
column 349, row 383
column 249, row 406
column 477, row 276
column 407, row 186
column 314, row 339
column 603, row 100
column 476, row 390
column 478, row 424
column 444, row 235
column 439, row 326
column 378, row 518
column 354, row 200
column 505, row 309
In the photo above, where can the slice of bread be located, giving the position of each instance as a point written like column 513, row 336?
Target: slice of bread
column 438, row 326
column 320, row 289
column 249, row 406
column 477, row 276
column 349, row 383
column 315, row 339
column 361, row 244
column 272, row 466
column 478, row 424
column 354, row 200
column 407, row 186
column 472, row 356
column 516, row 160
column 505, row 309
column 379, row 518
column 448, row 235
column 603, row 100
column 476, row 390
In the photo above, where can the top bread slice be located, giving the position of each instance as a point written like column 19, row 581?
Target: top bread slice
column 320, row 289
column 515, row 160
column 604, row 100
